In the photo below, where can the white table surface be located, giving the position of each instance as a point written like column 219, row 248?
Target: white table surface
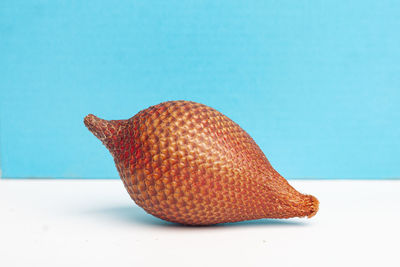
column 95, row 223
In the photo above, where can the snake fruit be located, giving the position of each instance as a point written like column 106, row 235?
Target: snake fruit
column 187, row 163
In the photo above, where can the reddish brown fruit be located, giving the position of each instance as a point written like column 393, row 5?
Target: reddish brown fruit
column 185, row 162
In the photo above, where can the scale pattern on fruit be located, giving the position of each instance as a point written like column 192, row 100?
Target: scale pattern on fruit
column 186, row 162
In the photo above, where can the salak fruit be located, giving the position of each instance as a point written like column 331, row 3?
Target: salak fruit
column 187, row 163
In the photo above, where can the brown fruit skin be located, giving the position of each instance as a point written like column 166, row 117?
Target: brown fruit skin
column 187, row 163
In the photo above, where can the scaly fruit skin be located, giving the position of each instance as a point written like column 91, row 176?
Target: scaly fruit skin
column 187, row 163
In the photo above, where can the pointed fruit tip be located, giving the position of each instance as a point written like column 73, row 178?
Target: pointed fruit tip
column 96, row 125
column 89, row 120
column 314, row 206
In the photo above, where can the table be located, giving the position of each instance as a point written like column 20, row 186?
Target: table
column 95, row 223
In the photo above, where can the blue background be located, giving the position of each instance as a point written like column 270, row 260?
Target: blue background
column 316, row 83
